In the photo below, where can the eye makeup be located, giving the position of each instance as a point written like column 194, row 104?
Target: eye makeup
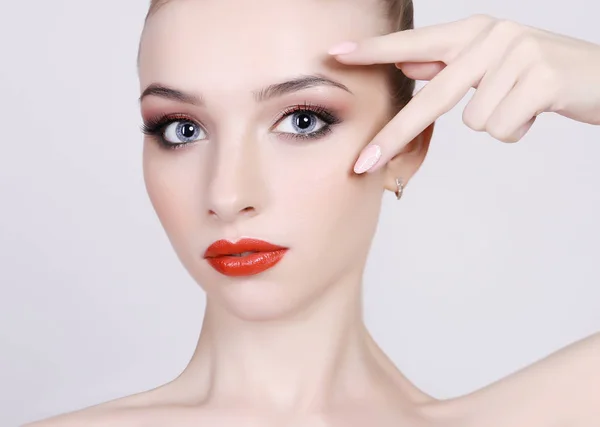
column 155, row 127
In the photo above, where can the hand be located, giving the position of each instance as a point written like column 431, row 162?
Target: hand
column 518, row 71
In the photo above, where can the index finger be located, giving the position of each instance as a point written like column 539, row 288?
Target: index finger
column 437, row 97
column 437, row 42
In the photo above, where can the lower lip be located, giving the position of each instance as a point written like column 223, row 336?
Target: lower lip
column 248, row 265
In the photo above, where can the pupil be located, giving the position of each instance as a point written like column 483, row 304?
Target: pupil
column 303, row 121
column 188, row 130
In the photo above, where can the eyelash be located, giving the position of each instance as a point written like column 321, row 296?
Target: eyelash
column 156, row 126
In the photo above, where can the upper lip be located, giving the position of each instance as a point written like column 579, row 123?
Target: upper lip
column 225, row 247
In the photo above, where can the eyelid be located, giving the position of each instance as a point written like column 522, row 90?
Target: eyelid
column 160, row 122
column 330, row 115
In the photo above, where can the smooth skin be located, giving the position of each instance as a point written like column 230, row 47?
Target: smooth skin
column 512, row 66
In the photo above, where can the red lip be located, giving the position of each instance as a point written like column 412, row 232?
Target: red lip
column 221, row 256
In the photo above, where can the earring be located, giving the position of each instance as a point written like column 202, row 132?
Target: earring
column 399, row 188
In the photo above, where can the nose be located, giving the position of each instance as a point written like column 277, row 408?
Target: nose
column 236, row 188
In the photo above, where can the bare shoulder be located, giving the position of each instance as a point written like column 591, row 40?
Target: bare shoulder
column 85, row 417
column 560, row 389
column 156, row 415
column 126, row 411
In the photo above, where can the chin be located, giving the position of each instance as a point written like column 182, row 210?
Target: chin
column 260, row 299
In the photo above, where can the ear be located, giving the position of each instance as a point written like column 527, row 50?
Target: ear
column 406, row 163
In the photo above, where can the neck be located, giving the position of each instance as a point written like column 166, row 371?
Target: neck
column 319, row 358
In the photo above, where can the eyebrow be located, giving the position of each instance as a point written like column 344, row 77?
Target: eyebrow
column 264, row 94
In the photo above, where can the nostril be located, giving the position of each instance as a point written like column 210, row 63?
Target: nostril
column 249, row 212
column 229, row 213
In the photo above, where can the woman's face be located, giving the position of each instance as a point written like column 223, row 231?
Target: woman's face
column 254, row 167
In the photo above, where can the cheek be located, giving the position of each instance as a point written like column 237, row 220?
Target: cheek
column 172, row 182
column 327, row 209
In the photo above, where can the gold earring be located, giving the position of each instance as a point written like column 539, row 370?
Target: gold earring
column 399, row 188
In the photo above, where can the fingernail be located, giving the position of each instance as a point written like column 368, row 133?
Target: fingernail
column 368, row 158
column 342, row 48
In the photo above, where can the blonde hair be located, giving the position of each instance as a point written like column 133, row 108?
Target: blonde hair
column 401, row 17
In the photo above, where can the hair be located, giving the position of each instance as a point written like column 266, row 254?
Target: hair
column 401, row 17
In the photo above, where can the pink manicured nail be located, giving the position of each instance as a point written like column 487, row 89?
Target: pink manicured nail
column 368, row 158
column 342, row 48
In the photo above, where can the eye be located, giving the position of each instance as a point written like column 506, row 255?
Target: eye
column 301, row 122
column 183, row 132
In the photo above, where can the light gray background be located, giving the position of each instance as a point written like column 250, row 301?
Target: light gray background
column 489, row 263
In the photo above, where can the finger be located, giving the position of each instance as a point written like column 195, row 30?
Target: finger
column 421, row 70
column 520, row 132
column 437, row 97
column 518, row 110
column 495, row 85
column 438, row 42
column 440, row 95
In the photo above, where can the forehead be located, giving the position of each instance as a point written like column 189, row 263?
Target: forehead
column 250, row 44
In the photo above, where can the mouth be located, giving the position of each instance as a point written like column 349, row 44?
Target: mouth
column 243, row 254
column 246, row 257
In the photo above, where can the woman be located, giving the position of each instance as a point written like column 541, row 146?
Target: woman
column 266, row 159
